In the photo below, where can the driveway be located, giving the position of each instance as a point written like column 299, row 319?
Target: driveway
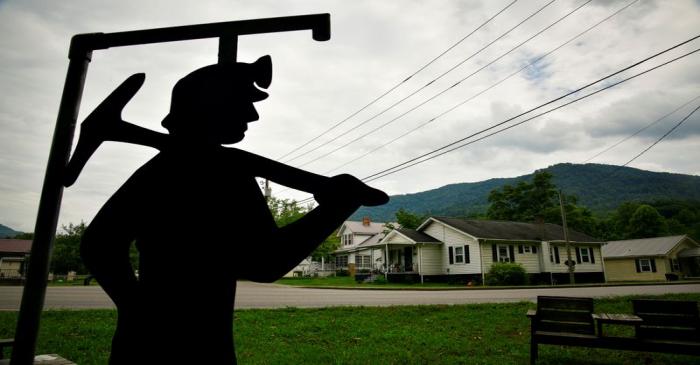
column 254, row 295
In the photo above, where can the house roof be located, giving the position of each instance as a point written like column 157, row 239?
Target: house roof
column 417, row 237
column 658, row 246
column 11, row 245
column 513, row 230
column 358, row 227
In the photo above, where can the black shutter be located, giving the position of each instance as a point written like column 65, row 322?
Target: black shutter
column 512, row 253
column 556, row 254
column 636, row 263
column 534, row 249
column 653, row 265
column 466, row 254
column 578, row 255
column 452, row 255
column 590, row 253
column 494, row 251
column 520, row 249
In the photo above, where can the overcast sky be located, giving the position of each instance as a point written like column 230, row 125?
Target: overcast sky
column 374, row 45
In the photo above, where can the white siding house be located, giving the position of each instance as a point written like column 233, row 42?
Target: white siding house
column 444, row 248
column 357, row 240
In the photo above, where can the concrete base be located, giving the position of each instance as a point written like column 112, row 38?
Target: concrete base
column 50, row 359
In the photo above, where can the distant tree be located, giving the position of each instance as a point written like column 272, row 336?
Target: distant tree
column 66, row 252
column 524, row 202
column 409, row 220
column 646, row 222
column 25, row 236
column 286, row 211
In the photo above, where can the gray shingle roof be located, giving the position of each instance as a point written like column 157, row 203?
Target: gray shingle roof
column 415, row 236
column 357, row 227
column 658, row 246
column 514, row 230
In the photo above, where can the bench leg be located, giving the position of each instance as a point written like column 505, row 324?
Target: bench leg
column 533, row 351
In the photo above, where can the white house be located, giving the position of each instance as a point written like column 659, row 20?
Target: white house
column 356, row 242
column 444, row 248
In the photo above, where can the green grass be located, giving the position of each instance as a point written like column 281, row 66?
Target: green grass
column 474, row 334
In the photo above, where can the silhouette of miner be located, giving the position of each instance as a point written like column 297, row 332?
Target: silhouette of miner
column 198, row 217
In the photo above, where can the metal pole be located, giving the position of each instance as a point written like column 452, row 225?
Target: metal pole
column 49, row 208
column 566, row 239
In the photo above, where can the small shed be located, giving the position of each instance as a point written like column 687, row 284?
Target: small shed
column 14, row 254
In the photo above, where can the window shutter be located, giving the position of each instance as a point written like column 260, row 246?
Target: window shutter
column 578, row 255
column 556, row 254
column 534, row 249
column 590, row 253
column 494, row 252
column 452, row 255
column 512, row 253
column 466, row 254
column 653, row 265
column 636, row 263
column 520, row 249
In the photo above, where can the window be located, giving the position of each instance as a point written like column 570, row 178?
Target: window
column 551, row 254
column 584, row 254
column 527, row 249
column 644, row 265
column 675, row 266
column 503, row 254
column 362, row 261
column 459, row 255
column 341, row 261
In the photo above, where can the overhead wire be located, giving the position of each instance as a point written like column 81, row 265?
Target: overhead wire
column 445, row 90
column 532, row 63
column 642, row 129
column 661, row 138
column 398, row 84
column 416, row 161
column 542, row 105
column 422, row 87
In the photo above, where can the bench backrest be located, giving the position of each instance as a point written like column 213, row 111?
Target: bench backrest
column 565, row 314
column 667, row 319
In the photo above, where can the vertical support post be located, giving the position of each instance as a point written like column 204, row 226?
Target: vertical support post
column 49, row 207
column 566, row 240
column 228, row 49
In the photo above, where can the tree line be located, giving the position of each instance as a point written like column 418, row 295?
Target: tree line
column 538, row 201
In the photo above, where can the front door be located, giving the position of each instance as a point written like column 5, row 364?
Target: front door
column 408, row 258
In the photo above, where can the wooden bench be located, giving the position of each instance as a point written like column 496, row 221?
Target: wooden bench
column 665, row 326
column 668, row 326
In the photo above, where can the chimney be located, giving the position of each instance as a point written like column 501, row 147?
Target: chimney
column 365, row 221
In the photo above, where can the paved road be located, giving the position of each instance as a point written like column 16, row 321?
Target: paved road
column 253, row 295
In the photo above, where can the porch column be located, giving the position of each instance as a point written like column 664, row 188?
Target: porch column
column 386, row 261
column 420, row 262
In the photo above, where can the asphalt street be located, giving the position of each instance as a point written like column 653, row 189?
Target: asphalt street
column 255, row 295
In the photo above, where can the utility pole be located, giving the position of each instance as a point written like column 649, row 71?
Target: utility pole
column 569, row 262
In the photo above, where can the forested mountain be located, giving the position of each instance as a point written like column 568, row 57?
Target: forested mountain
column 601, row 188
column 7, row 232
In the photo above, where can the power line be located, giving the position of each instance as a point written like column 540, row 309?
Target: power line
column 445, row 90
column 661, row 138
column 538, row 107
column 398, row 84
column 422, row 87
column 417, row 160
column 532, row 63
column 642, row 129
column 406, row 165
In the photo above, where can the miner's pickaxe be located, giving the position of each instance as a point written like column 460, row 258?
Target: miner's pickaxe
column 80, row 54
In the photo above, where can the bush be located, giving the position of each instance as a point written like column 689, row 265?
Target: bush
column 342, row 273
column 506, row 273
column 379, row 279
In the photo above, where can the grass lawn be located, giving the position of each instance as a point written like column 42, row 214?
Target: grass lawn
column 461, row 334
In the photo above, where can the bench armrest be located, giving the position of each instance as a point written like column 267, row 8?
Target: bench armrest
column 532, row 313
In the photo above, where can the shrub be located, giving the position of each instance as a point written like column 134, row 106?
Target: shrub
column 342, row 273
column 379, row 279
column 506, row 273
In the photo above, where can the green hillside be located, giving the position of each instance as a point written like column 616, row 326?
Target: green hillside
column 7, row 232
column 601, row 188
